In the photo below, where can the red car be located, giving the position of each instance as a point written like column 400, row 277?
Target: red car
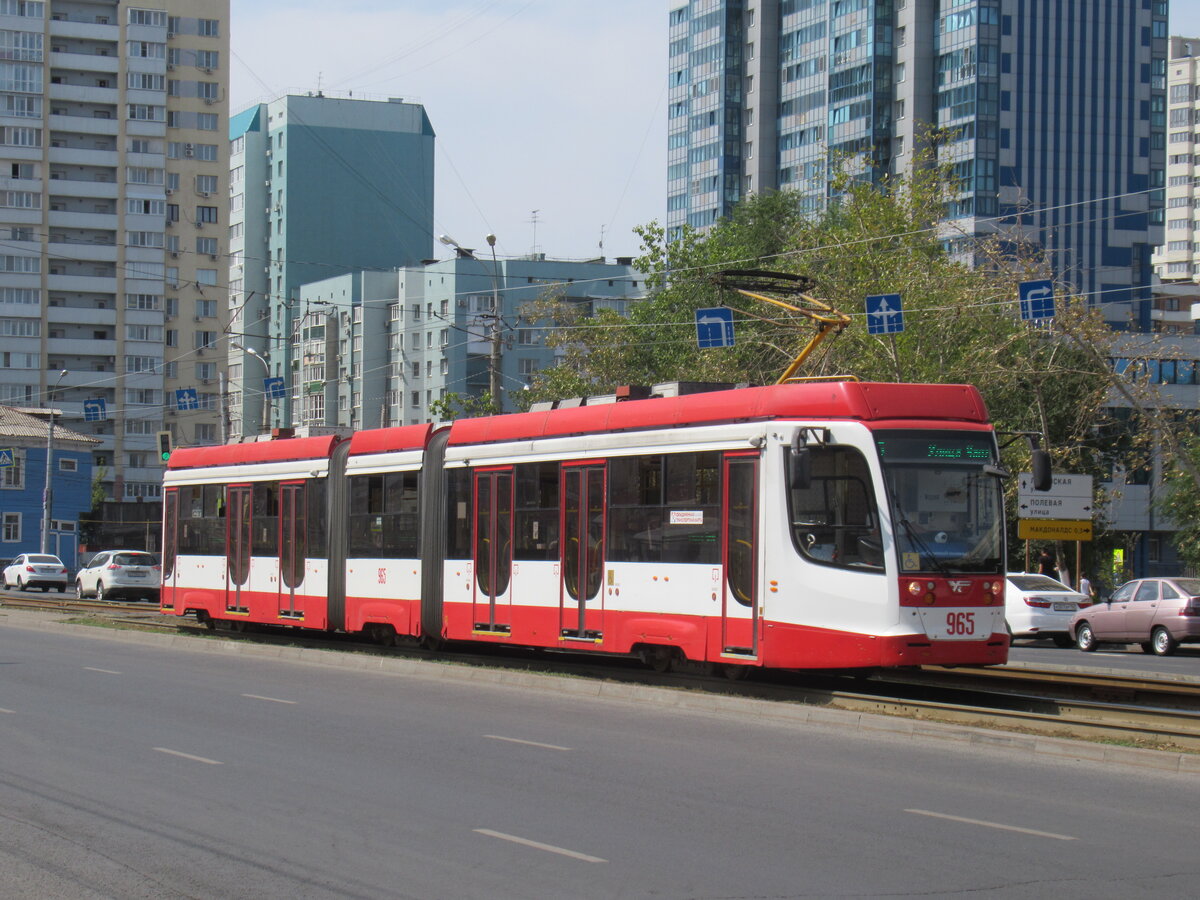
column 1158, row 613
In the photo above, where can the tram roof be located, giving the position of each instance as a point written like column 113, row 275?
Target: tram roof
column 389, row 440
column 863, row 401
column 253, row 452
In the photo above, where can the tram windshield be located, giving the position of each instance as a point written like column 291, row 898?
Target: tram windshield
column 945, row 498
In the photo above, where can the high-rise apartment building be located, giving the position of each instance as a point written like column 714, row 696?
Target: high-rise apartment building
column 319, row 186
column 112, row 217
column 1055, row 114
column 1178, row 258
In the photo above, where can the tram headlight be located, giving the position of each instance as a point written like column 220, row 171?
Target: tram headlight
column 914, row 587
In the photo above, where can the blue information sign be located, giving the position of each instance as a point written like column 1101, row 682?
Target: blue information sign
column 187, row 398
column 714, row 327
column 95, row 410
column 1037, row 299
column 273, row 387
column 885, row 314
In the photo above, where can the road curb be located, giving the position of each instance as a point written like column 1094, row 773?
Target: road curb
column 1031, row 746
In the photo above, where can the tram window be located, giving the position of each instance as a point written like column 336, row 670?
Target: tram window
column 383, row 515
column 536, row 511
column 191, row 520
column 265, row 519
column 213, row 521
column 678, row 524
column 833, row 518
column 458, row 511
column 317, row 534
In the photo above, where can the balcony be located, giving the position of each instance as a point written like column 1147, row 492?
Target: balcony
column 76, row 315
column 84, row 93
column 85, row 30
column 80, row 347
column 81, row 156
column 62, row 187
column 83, row 252
column 93, row 284
column 86, row 62
column 82, row 125
column 102, row 221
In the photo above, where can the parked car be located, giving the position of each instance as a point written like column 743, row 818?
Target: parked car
column 42, row 570
column 1037, row 606
column 1158, row 613
column 120, row 573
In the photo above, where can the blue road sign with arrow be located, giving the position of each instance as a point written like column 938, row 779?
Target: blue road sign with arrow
column 714, row 327
column 885, row 314
column 95, row 410
column 187, row 398
column 1037, row 299
column 273, row 387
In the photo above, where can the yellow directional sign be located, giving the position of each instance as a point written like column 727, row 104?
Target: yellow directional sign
column 1054, row 529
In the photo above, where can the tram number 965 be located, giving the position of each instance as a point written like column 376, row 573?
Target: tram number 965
column 960, row 624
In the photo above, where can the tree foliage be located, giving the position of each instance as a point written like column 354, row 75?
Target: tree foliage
column 878, row 236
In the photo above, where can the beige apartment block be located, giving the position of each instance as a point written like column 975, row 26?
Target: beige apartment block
column 113, row 217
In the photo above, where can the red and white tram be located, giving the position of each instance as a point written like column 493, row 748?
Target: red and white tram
column 821, row 525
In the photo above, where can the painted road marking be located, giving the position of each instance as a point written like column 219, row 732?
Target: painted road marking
column 211, row 762
column 1035, row 833
column 102, row 671
column 498, row 737
column 11, row 711
column 549, row 848
column 271, row 699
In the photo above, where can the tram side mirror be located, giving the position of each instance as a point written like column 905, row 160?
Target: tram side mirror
column 1042, row 479
column 799, row 467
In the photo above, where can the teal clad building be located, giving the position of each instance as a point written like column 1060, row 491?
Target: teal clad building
column 319, row 186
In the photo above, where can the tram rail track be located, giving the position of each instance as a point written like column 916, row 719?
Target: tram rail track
column 1132, row 709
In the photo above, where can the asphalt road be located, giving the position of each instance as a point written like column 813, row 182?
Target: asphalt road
column 131, row 770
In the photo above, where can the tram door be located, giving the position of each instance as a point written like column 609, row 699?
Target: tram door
column 739, row 556
column 581, row 615
column 237, row 548
column 492, row 602
column 170, row 542
column 292, row 548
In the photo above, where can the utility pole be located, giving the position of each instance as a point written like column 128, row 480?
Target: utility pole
column 494, row 384
column 48, row 491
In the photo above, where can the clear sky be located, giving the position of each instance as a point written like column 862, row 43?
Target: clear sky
column 557, row 106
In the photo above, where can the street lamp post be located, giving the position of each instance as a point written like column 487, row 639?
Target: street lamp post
column 48, row 491
column 266, row 399
column 494, row 379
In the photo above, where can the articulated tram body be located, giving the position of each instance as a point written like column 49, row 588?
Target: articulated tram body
column 830, row 525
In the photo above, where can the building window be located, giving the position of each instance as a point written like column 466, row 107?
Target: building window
column 154, row 17
column 66, row 464
column 209, row 27
column 13, row 477
column 206, row 214
column 12, row 527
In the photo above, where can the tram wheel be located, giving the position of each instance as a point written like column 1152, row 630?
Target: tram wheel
column 659, row 658
column 735, row 673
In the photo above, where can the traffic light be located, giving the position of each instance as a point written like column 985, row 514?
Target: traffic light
column 164, row 446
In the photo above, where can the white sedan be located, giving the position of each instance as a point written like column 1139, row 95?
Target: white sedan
column 1037, row 606
column 36, row 570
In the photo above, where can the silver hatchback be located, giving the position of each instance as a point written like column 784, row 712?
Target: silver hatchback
column 120, row 573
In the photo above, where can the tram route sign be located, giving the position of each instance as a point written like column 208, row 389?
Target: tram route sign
column 1054, row 529
column 714, row 327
